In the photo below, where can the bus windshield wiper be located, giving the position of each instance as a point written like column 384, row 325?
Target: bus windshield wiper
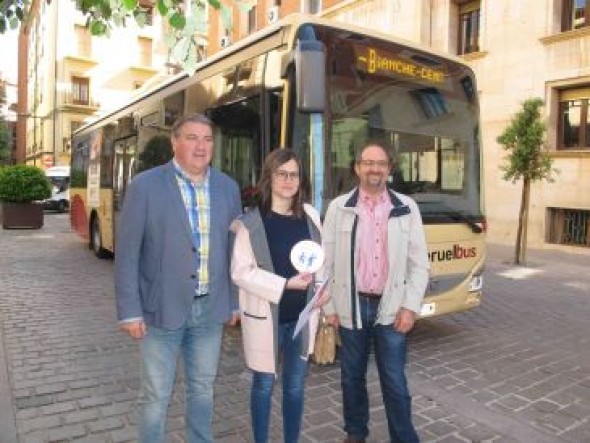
column 456, row 215
column 452, row 214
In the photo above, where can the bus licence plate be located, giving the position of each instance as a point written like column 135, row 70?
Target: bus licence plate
column 427, row 309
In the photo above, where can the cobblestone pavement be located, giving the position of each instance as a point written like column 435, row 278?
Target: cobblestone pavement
column 516, row 369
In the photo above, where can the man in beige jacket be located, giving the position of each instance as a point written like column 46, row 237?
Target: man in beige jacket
column 376, row 253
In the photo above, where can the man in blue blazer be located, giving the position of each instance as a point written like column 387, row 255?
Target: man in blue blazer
column 172, row 278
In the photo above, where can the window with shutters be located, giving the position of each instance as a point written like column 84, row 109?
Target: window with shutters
column 469, row 19
column 80, row 90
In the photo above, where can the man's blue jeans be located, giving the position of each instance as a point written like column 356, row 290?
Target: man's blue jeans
column 294, row 373
column 390, row 356
column 199, row 341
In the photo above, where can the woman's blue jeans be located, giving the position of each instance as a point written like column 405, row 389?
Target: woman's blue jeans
column 294, row 371
column 390, row 356
column 199, row 341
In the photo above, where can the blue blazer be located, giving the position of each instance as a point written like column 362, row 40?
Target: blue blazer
column 155, row 260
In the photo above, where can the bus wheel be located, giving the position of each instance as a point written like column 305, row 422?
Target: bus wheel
column 96, row 240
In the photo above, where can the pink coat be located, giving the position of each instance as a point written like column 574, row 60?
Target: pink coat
column 259, row 289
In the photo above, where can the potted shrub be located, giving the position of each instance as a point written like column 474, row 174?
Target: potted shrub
column 21, row 189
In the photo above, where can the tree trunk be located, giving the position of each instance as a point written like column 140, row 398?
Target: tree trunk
column 518, row 247
column 526, row 189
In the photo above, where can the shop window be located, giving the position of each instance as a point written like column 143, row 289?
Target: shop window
column 575, row 14
column 469, row 29
column 574, row 119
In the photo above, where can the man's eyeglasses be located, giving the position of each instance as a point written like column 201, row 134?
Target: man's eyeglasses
column 283, row 175
column 370, row 163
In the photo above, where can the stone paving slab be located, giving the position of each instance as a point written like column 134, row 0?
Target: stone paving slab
column 516, row 369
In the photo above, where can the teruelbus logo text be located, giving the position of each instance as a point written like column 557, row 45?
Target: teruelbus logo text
column 456, row 252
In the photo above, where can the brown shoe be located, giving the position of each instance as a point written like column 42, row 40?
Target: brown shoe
column 352, row 440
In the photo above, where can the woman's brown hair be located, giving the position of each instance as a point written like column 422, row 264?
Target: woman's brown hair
column 274, row 161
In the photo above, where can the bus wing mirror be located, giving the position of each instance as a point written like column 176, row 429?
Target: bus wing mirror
column 310, row 76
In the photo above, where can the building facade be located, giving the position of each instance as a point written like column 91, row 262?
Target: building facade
column 258, row 15
column 70, row 76
column 66, row 76
column 551, row 60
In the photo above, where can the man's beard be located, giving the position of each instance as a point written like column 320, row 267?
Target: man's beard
column 375, row 181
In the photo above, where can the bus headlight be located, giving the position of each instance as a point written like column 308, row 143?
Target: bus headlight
column 476, row 283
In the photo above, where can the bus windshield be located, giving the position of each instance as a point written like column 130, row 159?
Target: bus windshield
column 424, row 106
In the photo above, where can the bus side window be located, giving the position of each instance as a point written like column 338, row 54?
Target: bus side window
column 239, row 142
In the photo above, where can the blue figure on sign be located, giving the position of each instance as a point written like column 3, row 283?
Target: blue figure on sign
column 302, row 258
column 311, row 259
column 307, row 261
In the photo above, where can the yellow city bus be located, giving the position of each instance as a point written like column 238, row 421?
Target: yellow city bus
column 322, row 88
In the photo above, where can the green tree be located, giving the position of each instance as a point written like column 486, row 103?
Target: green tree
column 187, row 20
column 157, row 151
column 526, row 161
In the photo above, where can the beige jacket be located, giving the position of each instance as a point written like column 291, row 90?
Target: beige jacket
column 407, row 254
column 261, row 291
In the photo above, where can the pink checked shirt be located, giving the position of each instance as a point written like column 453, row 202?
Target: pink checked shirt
column 372, row 241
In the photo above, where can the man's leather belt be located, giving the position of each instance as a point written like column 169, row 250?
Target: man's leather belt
column 369, row 295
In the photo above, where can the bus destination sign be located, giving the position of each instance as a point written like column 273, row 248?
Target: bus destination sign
column 373, row 61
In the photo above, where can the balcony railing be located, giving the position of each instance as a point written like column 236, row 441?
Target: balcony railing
column 70, row 99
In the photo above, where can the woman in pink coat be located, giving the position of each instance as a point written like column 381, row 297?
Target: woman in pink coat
column 273, row 293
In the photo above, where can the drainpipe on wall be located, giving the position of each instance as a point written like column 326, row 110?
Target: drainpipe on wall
column 55, row 41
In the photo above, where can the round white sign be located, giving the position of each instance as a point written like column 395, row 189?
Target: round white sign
column 307, row 256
